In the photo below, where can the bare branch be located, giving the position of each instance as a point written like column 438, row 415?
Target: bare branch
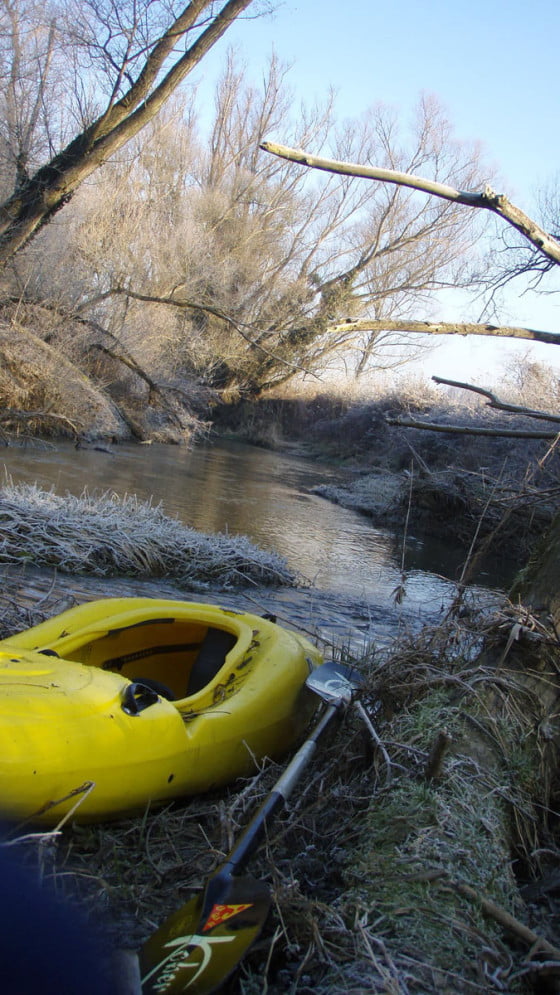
column 445, row 328
column 509, row 922
column 488, row 199
column 505, row 433
column 494, row 402
column 204, row 309
column 10, row 415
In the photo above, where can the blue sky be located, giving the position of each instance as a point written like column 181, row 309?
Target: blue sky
column 492, row 64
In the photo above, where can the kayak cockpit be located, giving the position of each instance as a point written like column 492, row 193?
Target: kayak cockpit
column 174, row 657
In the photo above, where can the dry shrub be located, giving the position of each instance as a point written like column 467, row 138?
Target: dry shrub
column 535, row 385
column 36, row 378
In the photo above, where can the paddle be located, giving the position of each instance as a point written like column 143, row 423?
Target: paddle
column 201, row 943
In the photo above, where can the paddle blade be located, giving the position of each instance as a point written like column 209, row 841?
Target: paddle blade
column 195, row 952
column 334, row 682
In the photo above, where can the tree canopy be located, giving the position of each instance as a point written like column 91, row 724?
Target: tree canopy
column 194, row 255
column 140, row 52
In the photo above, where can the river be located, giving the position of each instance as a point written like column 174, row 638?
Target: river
column 351, row 568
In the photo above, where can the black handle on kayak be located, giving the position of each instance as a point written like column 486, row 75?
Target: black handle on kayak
column 137, row 697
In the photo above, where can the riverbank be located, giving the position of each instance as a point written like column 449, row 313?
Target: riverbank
column 476, row 510
column 376, row 836
column 499, row 491
column 382, row 847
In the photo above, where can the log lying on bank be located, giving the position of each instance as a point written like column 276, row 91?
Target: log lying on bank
column 107, row 535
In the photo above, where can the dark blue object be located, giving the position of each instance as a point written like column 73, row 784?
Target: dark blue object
column 46, row 945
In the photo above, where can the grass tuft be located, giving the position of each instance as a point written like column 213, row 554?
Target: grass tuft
column 106, row 535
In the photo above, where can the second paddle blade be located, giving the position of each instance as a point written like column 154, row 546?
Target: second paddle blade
column 192, row 954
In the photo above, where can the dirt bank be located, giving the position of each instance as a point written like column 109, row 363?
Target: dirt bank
column 471, row 508
column 503, row 491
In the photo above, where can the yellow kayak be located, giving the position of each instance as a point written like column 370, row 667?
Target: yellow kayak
column 146, row 700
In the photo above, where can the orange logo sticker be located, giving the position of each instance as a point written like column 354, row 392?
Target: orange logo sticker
column 221, row 913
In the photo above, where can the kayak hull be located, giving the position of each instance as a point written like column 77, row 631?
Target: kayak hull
column 123, row 702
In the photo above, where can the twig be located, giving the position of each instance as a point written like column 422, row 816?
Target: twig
column 509, row 922
column 436, row 756
column 83, row 791
column 399, row 591
column 371, row 729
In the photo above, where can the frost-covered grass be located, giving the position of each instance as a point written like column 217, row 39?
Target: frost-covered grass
column 105, row 535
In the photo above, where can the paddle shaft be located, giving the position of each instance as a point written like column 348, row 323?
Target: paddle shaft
column 255, row 830
column 200, row 944
column 252, row 834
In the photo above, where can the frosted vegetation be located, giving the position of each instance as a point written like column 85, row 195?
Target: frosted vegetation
column 228, row 272
column 105, row 535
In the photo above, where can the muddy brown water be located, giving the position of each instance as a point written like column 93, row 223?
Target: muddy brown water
column 351, row 567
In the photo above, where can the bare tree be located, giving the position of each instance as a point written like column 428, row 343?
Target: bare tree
column 259, row 272
column 32, row 76
column 545, row 253
column 144, row 51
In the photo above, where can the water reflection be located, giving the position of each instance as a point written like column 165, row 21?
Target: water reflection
column 230, row 488
column 354, row 568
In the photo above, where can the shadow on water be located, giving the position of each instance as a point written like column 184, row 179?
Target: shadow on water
column 352, row 568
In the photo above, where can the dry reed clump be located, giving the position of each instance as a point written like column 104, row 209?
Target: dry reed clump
column 36, row 378
column 106, row 535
